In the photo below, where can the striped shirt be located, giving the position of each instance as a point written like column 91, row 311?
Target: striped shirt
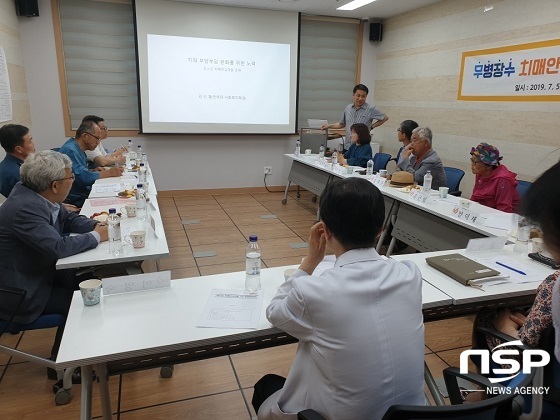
column 364, row 114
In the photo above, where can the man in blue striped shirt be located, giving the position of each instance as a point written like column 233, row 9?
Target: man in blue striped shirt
column 359, row 111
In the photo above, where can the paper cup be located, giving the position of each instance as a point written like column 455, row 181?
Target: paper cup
column 129, row 210
column 137, row 239
column 307, row 151
column 537, row 245
column 443, row 192
column 91, row 292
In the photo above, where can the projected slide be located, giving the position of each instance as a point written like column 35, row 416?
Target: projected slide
column 200, row 80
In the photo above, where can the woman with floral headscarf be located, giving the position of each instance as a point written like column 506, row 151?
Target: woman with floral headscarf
column 495, row 184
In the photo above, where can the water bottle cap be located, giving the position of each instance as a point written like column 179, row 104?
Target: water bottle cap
column 253, row 238
column 139, row 146
column 139, row 186
column 141, row 164
column 112, row 211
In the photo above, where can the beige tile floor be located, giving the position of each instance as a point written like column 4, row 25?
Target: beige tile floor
column 219, row 388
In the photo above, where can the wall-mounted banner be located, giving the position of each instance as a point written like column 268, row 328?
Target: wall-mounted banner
column 525, row 72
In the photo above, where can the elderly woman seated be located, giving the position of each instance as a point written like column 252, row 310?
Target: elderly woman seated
column 495, row 185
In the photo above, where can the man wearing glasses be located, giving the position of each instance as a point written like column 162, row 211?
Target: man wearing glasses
column 34, row 230
column 87, row 137
column 98, row 156
column 418, row 158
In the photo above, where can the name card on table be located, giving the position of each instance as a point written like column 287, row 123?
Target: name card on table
column 153, row 225
column 105, row 202
column 379, row 181
column 321, row 162
column 107, row 188
column 340, row 169
column 486, row 244
column 136, row 283
column 465, row 214
column 420, row 196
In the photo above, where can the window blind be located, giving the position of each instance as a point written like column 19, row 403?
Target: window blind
column 100, row 64
column 99, row 59
column 328, row 62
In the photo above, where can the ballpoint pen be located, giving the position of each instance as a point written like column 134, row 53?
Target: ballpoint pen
column 511, row 268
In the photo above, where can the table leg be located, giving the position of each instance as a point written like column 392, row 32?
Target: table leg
column 429, row 379
column 391, row 247
column 285, row 200
column 387, row 224
column 104, row 391
column 87, row 392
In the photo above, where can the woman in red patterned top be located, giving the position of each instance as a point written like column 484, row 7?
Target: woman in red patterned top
column 495, row 185
column 528, row 328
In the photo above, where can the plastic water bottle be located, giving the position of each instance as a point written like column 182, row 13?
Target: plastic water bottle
column 369, row 168
column 298, row 147
column 114, row 222
column 523, row 232
column 427, row 181
column 145, row 160
column 322, row 151
column 139, row 151
column 141, row 208
column 142, row 173
column 131, row 152
column 334, row 158
column 253, row 265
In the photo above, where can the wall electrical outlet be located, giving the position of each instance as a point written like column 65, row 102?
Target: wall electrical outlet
column 268, row 170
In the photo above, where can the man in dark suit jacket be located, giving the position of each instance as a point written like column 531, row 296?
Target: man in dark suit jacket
column 33, row 236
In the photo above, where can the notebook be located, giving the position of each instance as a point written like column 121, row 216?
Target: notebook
column 462, row 269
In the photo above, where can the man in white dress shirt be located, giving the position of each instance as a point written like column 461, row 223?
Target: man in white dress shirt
column 359, row 325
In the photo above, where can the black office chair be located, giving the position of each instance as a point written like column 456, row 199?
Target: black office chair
column 380, row 161
column 499, row 407
column 11, row 300
column 551, row 372
column 454, row 177
column 522, row 187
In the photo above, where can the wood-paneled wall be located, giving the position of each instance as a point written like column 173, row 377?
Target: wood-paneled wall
column 417, row 75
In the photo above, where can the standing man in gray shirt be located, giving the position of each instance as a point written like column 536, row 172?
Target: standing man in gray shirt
column 359, row 111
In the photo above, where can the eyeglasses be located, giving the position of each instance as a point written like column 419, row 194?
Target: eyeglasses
column 475, row 161
column 72, row 177
column 93, row 135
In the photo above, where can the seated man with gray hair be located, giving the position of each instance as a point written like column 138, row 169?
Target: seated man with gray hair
column 418, row 158
column 34, row 230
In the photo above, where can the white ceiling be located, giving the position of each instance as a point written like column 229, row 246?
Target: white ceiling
column 380, row 9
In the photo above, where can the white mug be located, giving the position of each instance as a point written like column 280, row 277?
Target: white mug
column 129, row 210
column 136, row 238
